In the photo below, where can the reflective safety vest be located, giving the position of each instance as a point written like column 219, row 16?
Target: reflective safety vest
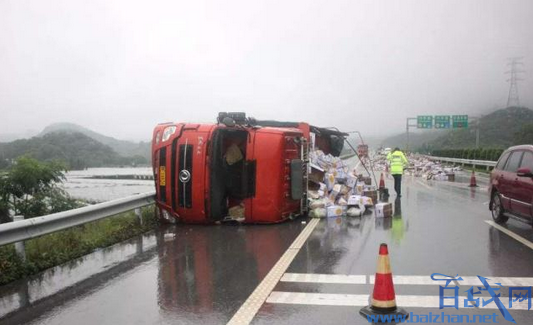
column 397, row 162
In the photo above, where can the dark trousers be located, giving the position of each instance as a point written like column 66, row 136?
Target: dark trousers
column 398, row 184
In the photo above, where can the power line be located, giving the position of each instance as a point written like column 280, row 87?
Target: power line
column 515, row 63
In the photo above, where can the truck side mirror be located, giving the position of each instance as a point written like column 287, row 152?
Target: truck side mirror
column 524, row 172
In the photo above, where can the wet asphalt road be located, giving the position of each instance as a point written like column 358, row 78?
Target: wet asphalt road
column 205, row 273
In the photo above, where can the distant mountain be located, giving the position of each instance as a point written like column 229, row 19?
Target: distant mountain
column 74, row 148
column 122, row 147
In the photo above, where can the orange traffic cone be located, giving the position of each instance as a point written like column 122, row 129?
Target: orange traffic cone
column 473, row 182
column 383, row 300
column 381, row 182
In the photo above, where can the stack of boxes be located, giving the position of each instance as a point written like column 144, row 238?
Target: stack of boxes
column 336, row 191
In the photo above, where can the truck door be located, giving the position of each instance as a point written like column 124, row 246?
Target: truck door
column 275, row 154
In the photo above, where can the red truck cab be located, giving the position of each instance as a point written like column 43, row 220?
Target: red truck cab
column 203, row 171
column 196, row 182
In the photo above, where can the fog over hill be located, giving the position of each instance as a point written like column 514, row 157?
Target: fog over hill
column 499, row 129
column 122, row 147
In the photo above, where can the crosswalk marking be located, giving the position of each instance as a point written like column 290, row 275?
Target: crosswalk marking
column 324, row 278
column 400, row 279
column 467, row 280
column 353, row 300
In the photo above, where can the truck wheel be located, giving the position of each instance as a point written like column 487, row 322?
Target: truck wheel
column 497, row 209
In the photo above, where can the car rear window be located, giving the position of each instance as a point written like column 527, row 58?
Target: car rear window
column 502, row 161
column 527, row 160
column 513, row 162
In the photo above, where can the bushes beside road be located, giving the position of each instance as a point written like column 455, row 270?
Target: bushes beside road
column 477, row 154
column 60, row 247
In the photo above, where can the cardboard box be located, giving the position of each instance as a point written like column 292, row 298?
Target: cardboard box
column 383, row 210
column 344, row 190
column 335, row 211
column 317, row 174
column 367, row 201
column 371, row 194
column 359, row 189
column 340, row 177
column 342, row 202
column 351, row 181
column 355, row 200
column 330, row 181
column 335, row 192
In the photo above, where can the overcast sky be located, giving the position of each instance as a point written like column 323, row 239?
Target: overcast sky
column 120, row 67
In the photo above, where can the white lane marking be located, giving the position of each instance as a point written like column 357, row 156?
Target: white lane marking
column 251, row 306
column 510, row 234
column 486, row 203
column 324, row 278
column 399, row 279
column 351, row 300
column 426, row 186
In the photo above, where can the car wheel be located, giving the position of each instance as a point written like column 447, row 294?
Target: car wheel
column 497, row 209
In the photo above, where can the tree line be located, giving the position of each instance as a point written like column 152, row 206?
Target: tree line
column 75, row 149
column 492, row 154
column 31, row 188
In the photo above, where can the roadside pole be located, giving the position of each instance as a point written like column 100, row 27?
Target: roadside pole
column 407, row 126
column 20, row 247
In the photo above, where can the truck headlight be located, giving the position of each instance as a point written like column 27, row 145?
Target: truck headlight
column 169, row 130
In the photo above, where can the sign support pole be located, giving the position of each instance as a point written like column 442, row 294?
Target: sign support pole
column 407, row 126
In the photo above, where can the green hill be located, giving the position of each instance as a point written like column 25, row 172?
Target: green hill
column 500, row 129
column 74, row 148
column 122, row 147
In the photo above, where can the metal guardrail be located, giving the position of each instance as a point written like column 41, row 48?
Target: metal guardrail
column 487, row 163
column 18, row 231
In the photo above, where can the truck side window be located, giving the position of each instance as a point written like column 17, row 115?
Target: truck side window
column 527, row 160
column 514, row 161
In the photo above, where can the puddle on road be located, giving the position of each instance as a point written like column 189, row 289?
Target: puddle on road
column 23, row 293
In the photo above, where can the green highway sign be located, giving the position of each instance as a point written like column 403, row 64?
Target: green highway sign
column 424, row 121
column 442, row 122
column 460, row 121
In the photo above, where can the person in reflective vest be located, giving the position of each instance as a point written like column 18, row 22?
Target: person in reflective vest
column 397, row 162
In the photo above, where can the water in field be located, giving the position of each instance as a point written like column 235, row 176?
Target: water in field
column 104, row 184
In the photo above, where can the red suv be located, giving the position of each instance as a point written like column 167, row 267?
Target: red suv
column 511, row 185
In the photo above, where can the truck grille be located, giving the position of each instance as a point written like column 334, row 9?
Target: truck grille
column 185, row 176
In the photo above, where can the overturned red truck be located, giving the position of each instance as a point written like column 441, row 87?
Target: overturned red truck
column 203, row 171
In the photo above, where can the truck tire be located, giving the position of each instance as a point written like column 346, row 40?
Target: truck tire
column 497, row 209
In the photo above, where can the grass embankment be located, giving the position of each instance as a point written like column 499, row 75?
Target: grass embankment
column 57, row 248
